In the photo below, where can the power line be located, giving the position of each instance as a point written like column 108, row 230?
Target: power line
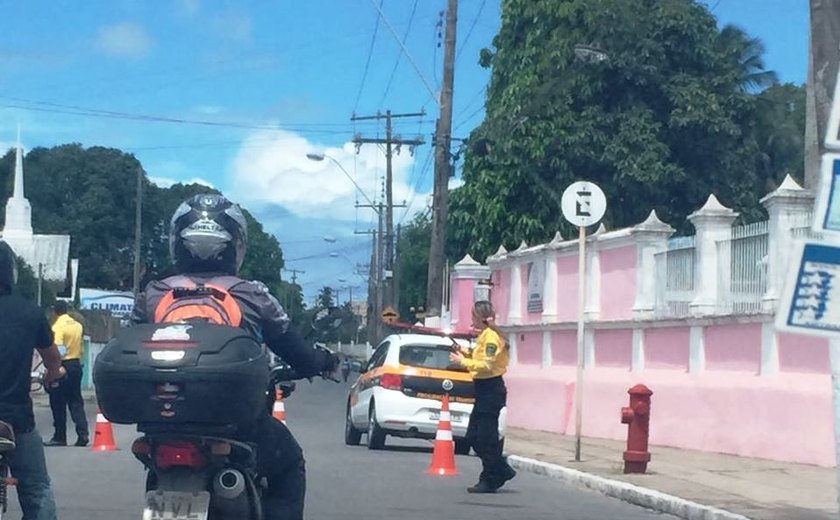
column 369, row 56
column 470, row 30
column 57, row 108
column 405, row 50
column 416, row 187
column 396, row 65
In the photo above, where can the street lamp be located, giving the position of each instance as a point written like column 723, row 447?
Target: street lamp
column 318, row 157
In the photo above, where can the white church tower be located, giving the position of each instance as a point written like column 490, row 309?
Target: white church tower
column 18, row 228
column 47, row 255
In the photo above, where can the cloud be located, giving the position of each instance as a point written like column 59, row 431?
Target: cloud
column 125, row 40
column 166, row 182
column 271, row 167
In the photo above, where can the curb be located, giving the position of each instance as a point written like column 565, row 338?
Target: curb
column 647, row 498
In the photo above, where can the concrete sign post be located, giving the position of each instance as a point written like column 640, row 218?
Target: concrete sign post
column 583, row 204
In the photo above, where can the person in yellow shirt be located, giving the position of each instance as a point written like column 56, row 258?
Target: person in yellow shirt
column 67, row 393
column 487, row 363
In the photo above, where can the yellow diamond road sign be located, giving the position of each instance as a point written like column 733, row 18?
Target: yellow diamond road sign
column 390, row 315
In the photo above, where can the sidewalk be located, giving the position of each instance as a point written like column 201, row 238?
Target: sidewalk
column 755, row 488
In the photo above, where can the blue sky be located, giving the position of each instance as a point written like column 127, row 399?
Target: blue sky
column 240, row 91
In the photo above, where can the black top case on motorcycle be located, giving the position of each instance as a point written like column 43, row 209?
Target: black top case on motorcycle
column 182, row 377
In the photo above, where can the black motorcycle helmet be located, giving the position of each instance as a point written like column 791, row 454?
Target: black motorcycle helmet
column 208, row 234
column 8, row 268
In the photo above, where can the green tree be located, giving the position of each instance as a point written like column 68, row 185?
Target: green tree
column 780, row 134
column 413, row 263
column 659, row 115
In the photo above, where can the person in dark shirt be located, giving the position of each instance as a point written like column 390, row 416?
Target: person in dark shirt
column 24, row 328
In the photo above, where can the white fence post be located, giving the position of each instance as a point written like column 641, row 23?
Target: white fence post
column 651, row 238
column 713, row 223
column 515, row 301
column 789, row 207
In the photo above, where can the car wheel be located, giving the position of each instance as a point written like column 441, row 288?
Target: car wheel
column 462, row 447
column 375, row 435
column 352, row 436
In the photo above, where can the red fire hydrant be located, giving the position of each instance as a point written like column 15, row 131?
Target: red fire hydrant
column 637, row 416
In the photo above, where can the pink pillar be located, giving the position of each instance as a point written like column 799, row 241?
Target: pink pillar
column 468, row 283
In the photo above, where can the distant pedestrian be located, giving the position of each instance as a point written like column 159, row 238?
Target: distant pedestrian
column 345, row 368
column 487, row 363
column 67, row 393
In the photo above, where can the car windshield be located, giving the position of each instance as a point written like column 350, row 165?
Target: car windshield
column 427, row 356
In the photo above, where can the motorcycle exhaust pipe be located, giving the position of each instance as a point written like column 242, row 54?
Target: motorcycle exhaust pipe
column 229, row 484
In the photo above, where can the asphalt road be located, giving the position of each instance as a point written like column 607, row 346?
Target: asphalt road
column 344, row 482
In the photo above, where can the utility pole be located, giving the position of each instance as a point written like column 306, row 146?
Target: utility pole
column 443, row 169
column 295, row 272
column 822, row 74
column 386, row 289
column 138, row 227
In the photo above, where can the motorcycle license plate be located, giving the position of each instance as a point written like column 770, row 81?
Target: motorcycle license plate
column 176, row 505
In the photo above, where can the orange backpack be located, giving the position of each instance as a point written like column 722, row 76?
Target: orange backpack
column 210, row 301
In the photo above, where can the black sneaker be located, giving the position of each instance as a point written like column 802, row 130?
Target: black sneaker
column 82, row 441
column 482, row 487
column 55, row 442
column 507, row 474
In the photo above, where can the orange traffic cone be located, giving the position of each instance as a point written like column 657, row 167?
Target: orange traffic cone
column 103, row 437
column 279, row 411
column 443, row 457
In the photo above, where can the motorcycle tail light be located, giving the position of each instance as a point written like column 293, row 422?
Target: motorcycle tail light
column 184, row 454
column 391, row 381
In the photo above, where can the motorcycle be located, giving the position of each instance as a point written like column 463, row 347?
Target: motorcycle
column 192, row 389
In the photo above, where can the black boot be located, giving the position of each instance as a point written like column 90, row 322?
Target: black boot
column 482, row 487
column 55, row 442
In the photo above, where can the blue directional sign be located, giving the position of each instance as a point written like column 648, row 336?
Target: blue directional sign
column 827, row 218
column 811, row 301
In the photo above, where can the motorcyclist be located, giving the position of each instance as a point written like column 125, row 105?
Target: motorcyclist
column 208, row 241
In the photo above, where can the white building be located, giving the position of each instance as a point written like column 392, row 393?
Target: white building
column 47, row 254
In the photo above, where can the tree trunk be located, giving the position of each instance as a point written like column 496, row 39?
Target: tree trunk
column 823, row 57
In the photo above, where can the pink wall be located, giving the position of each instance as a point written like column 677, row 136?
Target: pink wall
column 500, row 293
column 564, row 348
column 667, row 347
column 733, row 347
column 701, row 412
column 798, row 353
column 529, row 348
column 618, row 282
column 614, row 348
column 567, row 284
column 461, row 302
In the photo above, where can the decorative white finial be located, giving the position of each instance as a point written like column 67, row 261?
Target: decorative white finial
column 789, row 184
column 713, row 204
column 522, row 246
column 467, row 261
column 502, row 251
column 557, row 238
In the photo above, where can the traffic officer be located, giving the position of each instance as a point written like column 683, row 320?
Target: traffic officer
column 67, row 393
column 487, row 363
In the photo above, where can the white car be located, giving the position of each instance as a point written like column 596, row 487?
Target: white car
column 399, row 393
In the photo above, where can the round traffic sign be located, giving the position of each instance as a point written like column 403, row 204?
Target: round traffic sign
column 583, row 203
